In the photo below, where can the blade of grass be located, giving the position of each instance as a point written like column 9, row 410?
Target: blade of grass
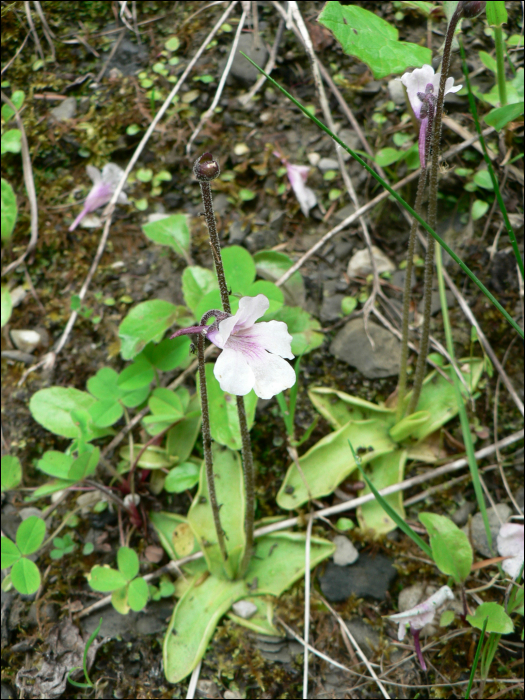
column 402, row 525
column 397, row 197
column 294, row 390
column 285, row 413
column 89, row 642
column 308, row 432
column 465, row 427
column 501, row 203
column 476, row 659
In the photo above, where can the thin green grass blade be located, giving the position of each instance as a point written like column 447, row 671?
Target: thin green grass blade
column 501, row 203
column 285, row 413
column 89, row 642
column 476, row 659
column 295, row 389
column 402, row 525
column 398, row 198
column 465, row 426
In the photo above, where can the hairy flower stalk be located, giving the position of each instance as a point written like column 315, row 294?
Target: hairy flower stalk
column 206, row 441
column 205, row 170
column 402, row 384
column 428, row 108
column 432, row 209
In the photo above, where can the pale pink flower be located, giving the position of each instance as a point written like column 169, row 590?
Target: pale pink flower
column 298, row 174
column 104, row 184
column 422, row 86
column 252, row 353
column 421, row 614
column 510, row 544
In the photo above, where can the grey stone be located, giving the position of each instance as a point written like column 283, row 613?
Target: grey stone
column 261, row 240
column 435, row 302
column 344, row 213
column 399, row 276
column 241, row 68
column 328, row 164
column 370, row 576
column 18, row 356
column 244, row 609
column 396, row 91
column 276, row 220
column 477, row 529
column 25, row 340
column 331, row 308
column 371, row 88
column 65, row 110
column 352, row 140
column 209, row 689
column 129, row 57
column 220, row 203
column 352, row 345
column 460, row 517
column 360, row 264
column 366, row 636
column 237, row 233
column 342, row 249
column 345, row 551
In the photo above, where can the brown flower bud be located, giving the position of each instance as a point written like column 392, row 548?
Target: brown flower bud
column 470, row 9
column 205, row 168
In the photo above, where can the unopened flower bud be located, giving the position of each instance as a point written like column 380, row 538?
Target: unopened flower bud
column 470, row 9
column 206, row 168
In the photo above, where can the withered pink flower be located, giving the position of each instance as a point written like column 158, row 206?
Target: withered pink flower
column 104, row 184
column 298, row 174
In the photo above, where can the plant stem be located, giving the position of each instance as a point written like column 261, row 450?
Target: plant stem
column 500, row 62
column 207, row 169
column 206, row 442
column 437, row 119
column 249, row 485
column 215, row 244
column 465, row 426
column 402, row 385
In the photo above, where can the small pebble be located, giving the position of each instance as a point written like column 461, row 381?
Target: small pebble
column 244, row 609
column 345, row 552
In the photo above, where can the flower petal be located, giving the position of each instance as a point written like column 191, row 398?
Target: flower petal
column 112, row 174
column 449, row 85
column 510, row 544
column 422, row 145
column 273, row 336
column 100, row 194
column 422, row 613
column 297, row 175
column 233, row 373
column 417, row 81
column 250, row 309
column 94, row 174
column 272, row 375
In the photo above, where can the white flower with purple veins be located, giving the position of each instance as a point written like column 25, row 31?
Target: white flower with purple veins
column 104, row 184
column 422, row 89
column 510, row 544
column 252, row 353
